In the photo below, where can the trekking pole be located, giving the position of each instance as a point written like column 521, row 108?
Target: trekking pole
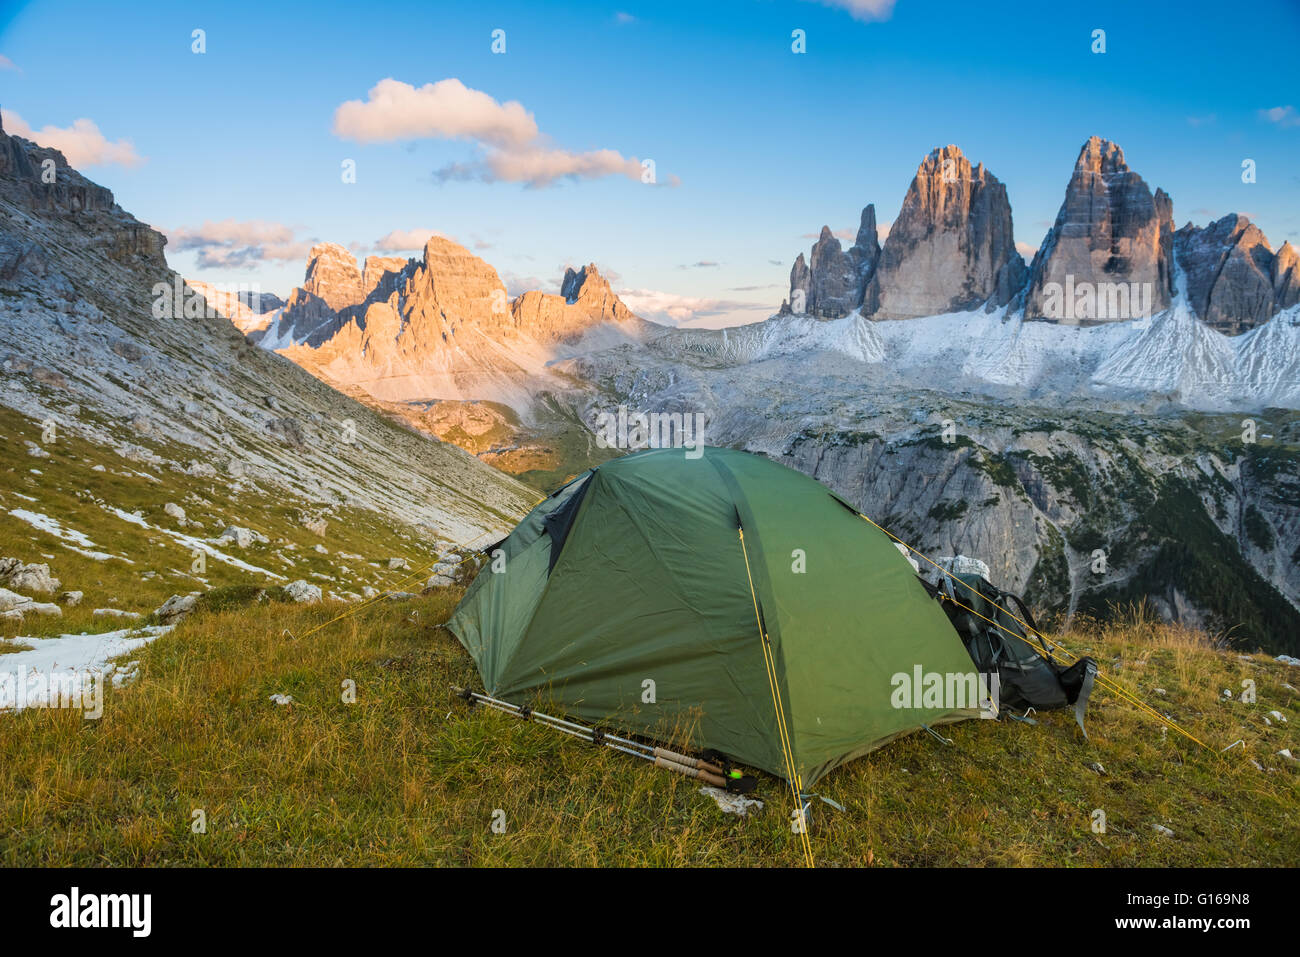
column 704, row 770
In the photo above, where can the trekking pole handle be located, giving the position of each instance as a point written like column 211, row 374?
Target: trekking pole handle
column 699, row 773
column 689, row 761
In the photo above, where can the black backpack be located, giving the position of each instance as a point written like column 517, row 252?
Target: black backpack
column 1027, row 676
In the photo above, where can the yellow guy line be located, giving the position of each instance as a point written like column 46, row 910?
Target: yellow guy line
column 1049, row 643
column 792, row 775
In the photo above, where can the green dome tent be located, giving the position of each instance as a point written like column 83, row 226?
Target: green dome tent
column 633, row 597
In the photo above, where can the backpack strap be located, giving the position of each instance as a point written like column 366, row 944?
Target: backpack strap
column 1028, row 617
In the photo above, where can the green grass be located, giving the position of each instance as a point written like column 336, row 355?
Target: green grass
column 407, row 775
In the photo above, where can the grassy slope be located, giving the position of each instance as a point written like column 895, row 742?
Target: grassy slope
column 69, row 490
column 406, row 775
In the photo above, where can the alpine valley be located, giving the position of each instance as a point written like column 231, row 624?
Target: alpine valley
column 1112, row 422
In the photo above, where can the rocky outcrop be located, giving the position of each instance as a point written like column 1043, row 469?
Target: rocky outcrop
column 383, row 275
column 40, row 181
column 1112, row 244
column 836, row 288
column 800, row 288
column 1234, row 280
column 33, row 577
column 336, row 291
column 333, row 276
column 952, row 247
column 833, row 284
column 1286, row 277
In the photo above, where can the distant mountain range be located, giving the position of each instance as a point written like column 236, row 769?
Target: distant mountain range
column 1116, row 304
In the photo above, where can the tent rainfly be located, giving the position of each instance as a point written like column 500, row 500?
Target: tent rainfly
column 726, row 600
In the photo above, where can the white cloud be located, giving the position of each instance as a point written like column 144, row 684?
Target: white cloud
column 867, row 11
column 517, row 285
column 232, row 244
column 402, row 240
column 447, row 109
column 82, row 144
column 542, row 167
column 1283, row 116
column 8, row 64
column 1028, row 250
column 703, row 311
column 513, row 149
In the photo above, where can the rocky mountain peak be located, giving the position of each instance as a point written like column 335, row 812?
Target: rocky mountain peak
column 578, row 282
column 1102, row 157
column 868, row 237
column 455, row 284
column 1111, row 235
column 952, row 246
column 1234, row 280
column 586, row 299
column 332, row 276
column 1286, row 277
column 832, row 285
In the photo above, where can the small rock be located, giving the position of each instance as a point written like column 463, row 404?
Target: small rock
column 13, row 615
column 1097, row 766
column 282, row 698
column 1160, row 691
column 36, row 452
column 320, row 549
column 398, row 565
column 444, row 573
column 176, row 512
column 1286, row 753
column 47, row 609
column 1161, row 829
column 303, row 592
column 71, row 598
column 1277, row 716
column 175, row 608
column 242, row 537
column 401, row 596
column 113, row 613
column 10, row 599
column 315, row 524
column 35, row 578
column 369, row 591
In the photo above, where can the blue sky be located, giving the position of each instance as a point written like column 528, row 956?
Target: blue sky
column 765, row 145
